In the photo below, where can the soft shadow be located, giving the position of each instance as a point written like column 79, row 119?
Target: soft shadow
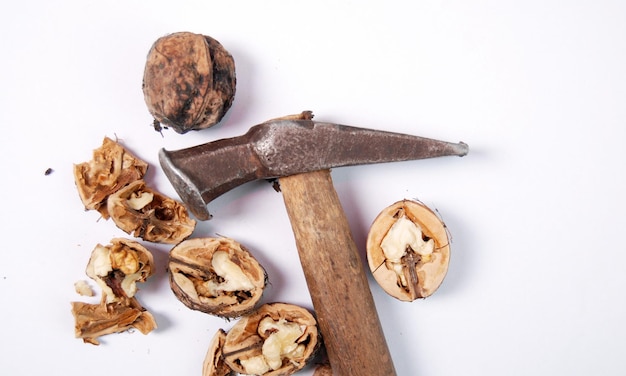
column 461, row 260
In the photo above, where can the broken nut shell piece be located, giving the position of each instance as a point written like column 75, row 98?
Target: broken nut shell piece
column 214, row 362
column 189, row 81
column 408, row 250
column 118, row 267
column 277, row 339
column 217, row 276
column 92, row 321
column 149, row 215
column 111, row 168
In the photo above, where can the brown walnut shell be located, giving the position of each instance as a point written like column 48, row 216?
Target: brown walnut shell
column 408, row 250
column 217, row 276
column 277, row 339
column 189, row 81
column 111, row 168
column 147, row 214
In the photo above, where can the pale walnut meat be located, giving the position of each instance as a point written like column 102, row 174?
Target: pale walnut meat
column 95, row 320
column 277, row 339
column 217, row 276
column 111, row 168
column 118, row 267
column 189, row 81
column 149, row 215
column 82, row 288
column 213, row 364
column 408, row 250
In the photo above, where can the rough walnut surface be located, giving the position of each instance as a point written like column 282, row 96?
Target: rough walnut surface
column 323, row 370
column 189, row 81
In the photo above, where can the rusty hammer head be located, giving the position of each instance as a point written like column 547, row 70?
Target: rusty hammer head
column 287, row 147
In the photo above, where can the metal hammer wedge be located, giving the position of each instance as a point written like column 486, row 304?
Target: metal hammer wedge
column 300, row 153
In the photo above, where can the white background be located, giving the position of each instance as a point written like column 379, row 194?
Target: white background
column 536, row 210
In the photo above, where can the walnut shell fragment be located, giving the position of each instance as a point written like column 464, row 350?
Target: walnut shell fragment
column 95, row 320
column 189, row 81
column 213, row 364
column 408, row 250
column 277, row 339
column 147, row 214
column 217, row 276
column 111, row 168
column 116, row 268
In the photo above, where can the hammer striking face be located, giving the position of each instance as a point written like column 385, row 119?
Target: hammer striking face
column 287, row 147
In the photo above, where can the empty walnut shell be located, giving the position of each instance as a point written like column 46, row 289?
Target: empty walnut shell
column 277, row 339
column 217, row 276
column 147, row 214
column 408, row 250
column 111, row 168
column 189, row 81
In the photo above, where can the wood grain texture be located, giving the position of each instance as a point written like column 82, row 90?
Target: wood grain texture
column 336, row 277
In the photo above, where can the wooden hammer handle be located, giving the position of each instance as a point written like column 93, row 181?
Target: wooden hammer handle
column 336, row 277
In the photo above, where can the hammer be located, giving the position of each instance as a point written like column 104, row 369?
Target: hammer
column 300, row 152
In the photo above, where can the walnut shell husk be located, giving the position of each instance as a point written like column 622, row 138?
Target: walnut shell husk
column 189, row 81
column 111, row 168
column 149, row 215
column 417, row 273
column 246, row 343
column 217, row 276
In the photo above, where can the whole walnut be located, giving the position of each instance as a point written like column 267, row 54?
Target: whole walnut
column 189, row 81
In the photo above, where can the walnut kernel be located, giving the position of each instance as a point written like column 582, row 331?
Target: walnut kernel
column 118, row 267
